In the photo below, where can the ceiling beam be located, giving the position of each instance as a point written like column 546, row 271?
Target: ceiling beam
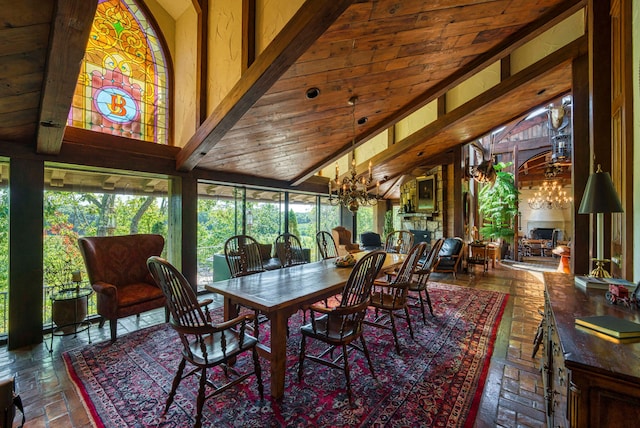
column 519, row 38
column 72, row 20
column 312, row 19
column 496, row 94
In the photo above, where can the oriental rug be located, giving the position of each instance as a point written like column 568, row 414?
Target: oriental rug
column 436, row 381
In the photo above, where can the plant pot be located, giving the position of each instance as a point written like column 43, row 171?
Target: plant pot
column 67, row 314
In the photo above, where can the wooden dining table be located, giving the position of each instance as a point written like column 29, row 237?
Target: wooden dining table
column 279, row 294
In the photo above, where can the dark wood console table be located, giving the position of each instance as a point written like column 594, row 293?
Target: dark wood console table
column 589, row 381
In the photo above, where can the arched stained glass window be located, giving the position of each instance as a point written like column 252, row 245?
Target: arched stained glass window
column 123, row 85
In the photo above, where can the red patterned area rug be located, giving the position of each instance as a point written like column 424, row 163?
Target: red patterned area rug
column 436, row 381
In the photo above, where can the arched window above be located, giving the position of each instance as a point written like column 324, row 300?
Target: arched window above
column 123, row 86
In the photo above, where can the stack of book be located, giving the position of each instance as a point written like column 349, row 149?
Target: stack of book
column 609, row 327
column 588, row 282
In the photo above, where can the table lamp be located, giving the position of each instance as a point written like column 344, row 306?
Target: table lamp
column 600, row 197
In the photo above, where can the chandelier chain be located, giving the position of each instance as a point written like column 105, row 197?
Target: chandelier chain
column 353, row 190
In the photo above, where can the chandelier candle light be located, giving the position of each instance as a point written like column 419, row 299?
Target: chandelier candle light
column 550, row 196
column 353, row 191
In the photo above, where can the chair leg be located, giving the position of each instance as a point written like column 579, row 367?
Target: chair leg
column 258, row 369
column 113, row 326
column 200, row 400
column 174, row 387
column 366, row 354
column 424, row 315
column 426, row 293
column 101, row 323
column 301, row 358
column 394, row 331
column 345, row 357
column 406, row 312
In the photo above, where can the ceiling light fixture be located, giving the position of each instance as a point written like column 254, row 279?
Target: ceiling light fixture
column 550, row 196
column 353, row 190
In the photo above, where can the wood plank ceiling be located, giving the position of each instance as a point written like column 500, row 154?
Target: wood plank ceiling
column 395, row 56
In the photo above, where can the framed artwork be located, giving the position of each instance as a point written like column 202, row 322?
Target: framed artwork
column 426, row 193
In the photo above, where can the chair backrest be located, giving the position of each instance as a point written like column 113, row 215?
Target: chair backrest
column 341, row 235
column 289, row 250
column 429, row 261
column 410, row 263
column 242, row 253
column 326, row 245
column 358, row 287
column 181, row 299
column 451, row 247
column 120, row 260
column 399, row 241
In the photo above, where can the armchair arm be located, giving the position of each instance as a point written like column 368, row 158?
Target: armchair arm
column 105, row 288
column 213, row 328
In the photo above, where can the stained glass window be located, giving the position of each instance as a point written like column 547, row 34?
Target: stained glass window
column 123, row 84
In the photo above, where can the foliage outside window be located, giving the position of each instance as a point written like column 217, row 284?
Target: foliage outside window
column 4, row 247
column 71, row 213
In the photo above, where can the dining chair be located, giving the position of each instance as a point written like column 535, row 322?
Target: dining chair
column 398, row 241
column 289, row 250
column 422, row 273
column 204, row 344
column 390, row 295
column 339, row 326
column 326, row 245
column 242, row 253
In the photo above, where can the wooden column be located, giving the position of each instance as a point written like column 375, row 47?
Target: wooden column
column 583, row 244
column 26, row 186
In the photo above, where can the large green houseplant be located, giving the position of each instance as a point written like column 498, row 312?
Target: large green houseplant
column 498, row 204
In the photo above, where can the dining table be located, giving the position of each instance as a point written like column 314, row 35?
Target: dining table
column 280, row 293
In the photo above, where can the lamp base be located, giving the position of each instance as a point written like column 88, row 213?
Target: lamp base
column 599, row 271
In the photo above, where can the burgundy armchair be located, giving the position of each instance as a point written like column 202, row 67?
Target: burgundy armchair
column 118, row 273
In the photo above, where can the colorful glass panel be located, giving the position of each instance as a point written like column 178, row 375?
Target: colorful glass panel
column 123, row 84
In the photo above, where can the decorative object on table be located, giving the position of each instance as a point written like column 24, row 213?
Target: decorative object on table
column 600, row 198
column 345, row 261
column 426, row 371
column 353, row 190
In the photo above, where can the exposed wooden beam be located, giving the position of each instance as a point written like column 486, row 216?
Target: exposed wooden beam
column 72, row 21
column 524, row 35
column 309, row 23
column 572, row 50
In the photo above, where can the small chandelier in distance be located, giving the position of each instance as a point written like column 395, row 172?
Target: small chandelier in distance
column 352, row 191
column 550, row 196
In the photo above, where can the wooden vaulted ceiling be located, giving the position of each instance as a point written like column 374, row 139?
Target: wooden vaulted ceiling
column 395, row 56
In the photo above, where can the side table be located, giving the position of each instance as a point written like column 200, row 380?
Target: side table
column 68, row 307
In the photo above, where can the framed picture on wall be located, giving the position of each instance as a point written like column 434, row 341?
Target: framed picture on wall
column 426, row 192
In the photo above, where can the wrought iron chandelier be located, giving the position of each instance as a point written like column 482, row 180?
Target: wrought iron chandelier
column 353, row 190
column 550, row 196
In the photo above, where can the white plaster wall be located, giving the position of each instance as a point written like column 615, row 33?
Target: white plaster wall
column 225, row 47
column 473, row 86
column 548, row 42
column 185, row 67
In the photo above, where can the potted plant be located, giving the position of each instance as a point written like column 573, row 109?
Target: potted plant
column 498, row 204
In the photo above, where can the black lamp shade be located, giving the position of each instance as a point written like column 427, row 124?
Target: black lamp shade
column 600, row 196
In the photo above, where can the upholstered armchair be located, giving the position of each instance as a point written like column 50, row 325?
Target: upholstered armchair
column 450, row 255
column 118, row 273
column 342, row 237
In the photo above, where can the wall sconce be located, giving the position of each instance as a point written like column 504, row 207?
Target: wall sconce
column 600, row 197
